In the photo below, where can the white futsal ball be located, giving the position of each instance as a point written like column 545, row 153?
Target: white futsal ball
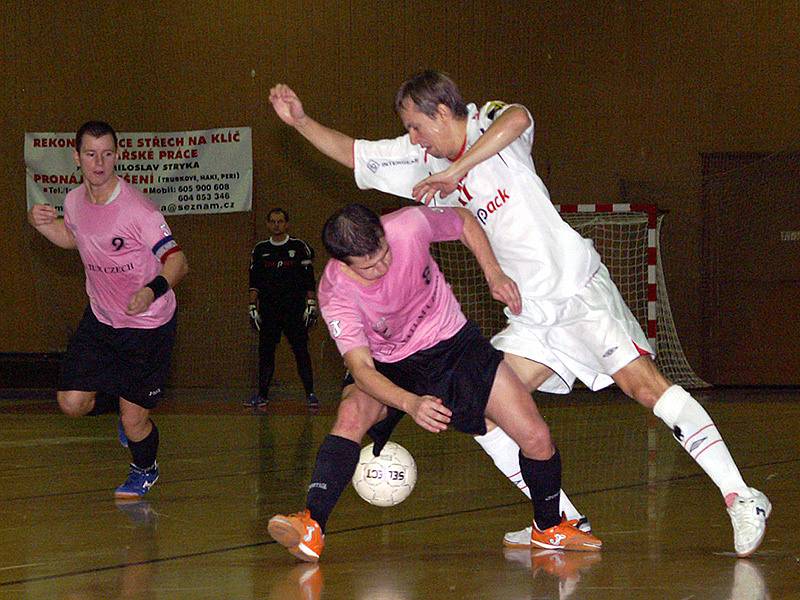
column 387, row 479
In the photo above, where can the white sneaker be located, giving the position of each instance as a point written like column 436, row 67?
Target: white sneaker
column 522, row 538
column 749, row 519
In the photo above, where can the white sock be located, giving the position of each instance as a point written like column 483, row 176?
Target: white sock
column 504, row 452
column 695, row 431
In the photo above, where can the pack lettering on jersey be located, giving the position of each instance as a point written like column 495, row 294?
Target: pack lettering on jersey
column 495, row 204
column 480, row 207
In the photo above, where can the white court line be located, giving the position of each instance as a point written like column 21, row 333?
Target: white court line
column 50, row 441
column 38, row 564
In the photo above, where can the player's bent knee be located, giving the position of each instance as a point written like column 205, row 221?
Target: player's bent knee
column 642, row 381
column 137, row 419
column 537, row 443
column 74, row 404
column 645, row 393
column 647, row 397
column 356, row 414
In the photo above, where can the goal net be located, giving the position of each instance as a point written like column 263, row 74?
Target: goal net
column 627, row 238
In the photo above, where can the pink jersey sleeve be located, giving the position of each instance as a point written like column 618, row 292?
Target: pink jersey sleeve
column 157, row 234
column 445, row 223
column 345, row 322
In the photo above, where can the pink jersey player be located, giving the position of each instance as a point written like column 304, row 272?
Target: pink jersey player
column 122, row 244
column 118, row 359
column 411, row 307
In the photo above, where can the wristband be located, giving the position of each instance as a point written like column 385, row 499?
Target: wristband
column 159, row 285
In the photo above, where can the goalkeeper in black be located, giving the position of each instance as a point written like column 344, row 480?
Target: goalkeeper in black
column 282, row 300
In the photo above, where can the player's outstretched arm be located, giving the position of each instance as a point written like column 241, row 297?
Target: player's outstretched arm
column 501, row 286
column 427, row 411
column 45, row 220
column 330, row 142
column 504, row 130
column 175, row 268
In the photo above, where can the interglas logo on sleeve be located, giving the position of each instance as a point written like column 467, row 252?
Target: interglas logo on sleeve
column 374, row 165
column 790, row 236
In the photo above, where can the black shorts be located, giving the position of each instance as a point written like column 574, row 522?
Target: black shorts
column 127, row 362
column 460, row 371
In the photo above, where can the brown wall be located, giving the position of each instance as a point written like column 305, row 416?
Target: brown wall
column 619, row 90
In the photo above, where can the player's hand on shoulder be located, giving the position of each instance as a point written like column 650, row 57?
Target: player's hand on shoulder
column 42, row 214
column 438, row 183
column 140, row 301
column 429, row 412
column 286, row 104
column 505, row 290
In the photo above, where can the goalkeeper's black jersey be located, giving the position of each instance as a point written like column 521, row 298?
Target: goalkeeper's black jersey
column 283, row 273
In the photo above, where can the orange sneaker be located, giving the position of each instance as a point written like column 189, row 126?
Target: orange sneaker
column 565, row 536
column 299, row 534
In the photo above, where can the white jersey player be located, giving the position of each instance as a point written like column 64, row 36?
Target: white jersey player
column 573, row 321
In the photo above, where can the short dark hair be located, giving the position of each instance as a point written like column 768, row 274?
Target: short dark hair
column 352, row 231
column 278, row 209
column 96, row 129
column 427, row 90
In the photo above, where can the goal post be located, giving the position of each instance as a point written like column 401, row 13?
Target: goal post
column 627, row 238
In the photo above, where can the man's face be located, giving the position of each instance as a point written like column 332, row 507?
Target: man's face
column 375, row 265
column 425, row 131
column 277, row 224
column 97, row 158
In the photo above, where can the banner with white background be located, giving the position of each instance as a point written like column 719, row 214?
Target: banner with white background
column 183, row 172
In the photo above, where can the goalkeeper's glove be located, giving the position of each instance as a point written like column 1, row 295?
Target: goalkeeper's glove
column 255, row 317
column 311, row 313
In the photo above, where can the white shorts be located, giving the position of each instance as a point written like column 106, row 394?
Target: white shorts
column 589, row 336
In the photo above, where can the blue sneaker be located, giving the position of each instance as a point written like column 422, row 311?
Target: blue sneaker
column 312, row 402
column 123, row 439
column 139, row 481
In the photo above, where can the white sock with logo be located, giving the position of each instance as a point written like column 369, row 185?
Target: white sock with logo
column 504, row 452
column 693, row 428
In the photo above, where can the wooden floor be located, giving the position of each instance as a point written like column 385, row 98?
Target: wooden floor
column 226, row 469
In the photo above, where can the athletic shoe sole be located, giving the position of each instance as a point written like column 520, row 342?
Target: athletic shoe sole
column 283, row 532
column 585, row 547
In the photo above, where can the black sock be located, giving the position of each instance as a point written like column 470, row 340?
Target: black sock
column 144, row 452
column 337, row 458
column 543, row 478
column 104, row 403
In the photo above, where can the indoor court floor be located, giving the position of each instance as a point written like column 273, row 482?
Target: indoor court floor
column 225, row 469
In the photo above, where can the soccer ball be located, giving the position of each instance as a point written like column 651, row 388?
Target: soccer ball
column 387, row 479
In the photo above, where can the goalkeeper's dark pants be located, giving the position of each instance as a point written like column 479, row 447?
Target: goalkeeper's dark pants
column 275, row 322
